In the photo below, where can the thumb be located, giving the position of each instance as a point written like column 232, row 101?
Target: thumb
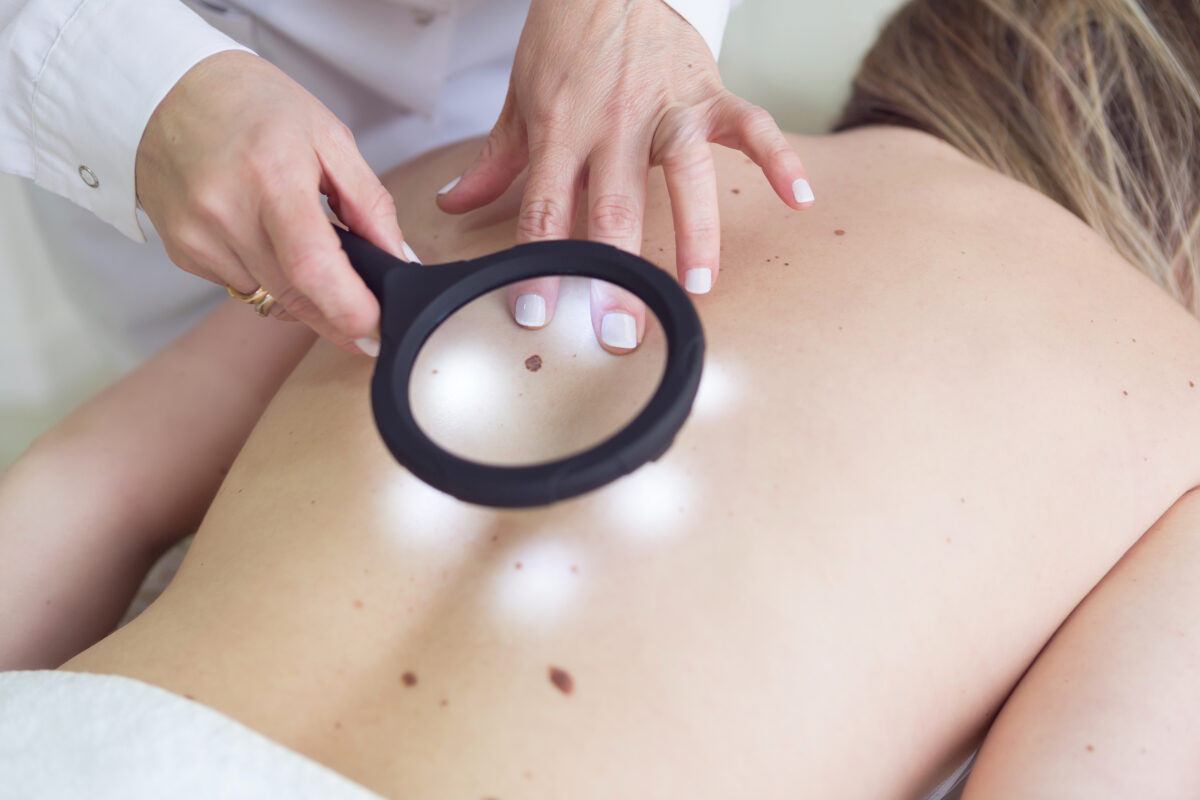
column 504, row 155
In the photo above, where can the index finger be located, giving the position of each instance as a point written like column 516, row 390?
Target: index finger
column 311, row 257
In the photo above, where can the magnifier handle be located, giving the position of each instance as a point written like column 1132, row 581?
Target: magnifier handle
column 371, row 263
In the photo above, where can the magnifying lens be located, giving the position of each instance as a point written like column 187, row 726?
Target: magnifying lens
column 499, row 415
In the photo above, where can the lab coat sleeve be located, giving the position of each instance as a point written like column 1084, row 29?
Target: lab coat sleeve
column 708, row 17
column 79, row 80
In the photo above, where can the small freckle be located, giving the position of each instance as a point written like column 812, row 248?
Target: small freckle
column 444, row 702
column 435, row 372
column 366, row 572
column 518, row 565
column 735, row 191
column 337, row 725
column 358, row 603
column 1191, row 384
column 964, row 252
column 409, row 679
column 1133, row 340
column 190, row 697
column 1125, row 393
column 660, row 249
column 562, row 680
column 495, row 537
column 948, row 540
column 575, row 568
column 839, row 232
column 1091, row 749
column 689, row 66
column 840, row 327
column 312, row 502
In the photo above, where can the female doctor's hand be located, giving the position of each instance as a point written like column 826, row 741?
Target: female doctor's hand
column 601, row 91
column 231, row 169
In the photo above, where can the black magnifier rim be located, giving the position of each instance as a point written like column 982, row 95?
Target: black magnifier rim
column 417, row 299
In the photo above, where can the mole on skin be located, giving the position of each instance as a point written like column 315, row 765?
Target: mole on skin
column 409, row 679
column 562, row 679
column 533, row 363
column 839, row 232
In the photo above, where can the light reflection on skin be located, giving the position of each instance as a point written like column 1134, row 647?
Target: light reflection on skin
column 425, row 516
column 538, row 580
column 466, row 397
column 718, row 391
column 474, row 398
column 652, row 504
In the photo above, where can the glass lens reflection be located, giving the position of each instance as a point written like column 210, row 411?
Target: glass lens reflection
column 491, row 391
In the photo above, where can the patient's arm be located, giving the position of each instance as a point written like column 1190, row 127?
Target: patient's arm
column 91, row 505
column 1108, row 709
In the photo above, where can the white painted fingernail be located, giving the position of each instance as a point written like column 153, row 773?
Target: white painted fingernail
column 803, row 191
column 531, row 310
column 369, row 346
column 619, row 329
column 449, row 186
column 698, row 281
column 409, row 254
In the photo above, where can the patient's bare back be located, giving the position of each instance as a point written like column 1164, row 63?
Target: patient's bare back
column 936, row 409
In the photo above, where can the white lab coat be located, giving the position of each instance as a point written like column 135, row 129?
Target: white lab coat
column 80, row 78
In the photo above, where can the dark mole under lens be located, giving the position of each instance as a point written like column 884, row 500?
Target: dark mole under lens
column 533, row 363
column 562, row 679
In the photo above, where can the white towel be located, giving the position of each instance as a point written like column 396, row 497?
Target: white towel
column 105, row 737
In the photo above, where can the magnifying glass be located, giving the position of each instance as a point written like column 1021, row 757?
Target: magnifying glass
column 459, row 403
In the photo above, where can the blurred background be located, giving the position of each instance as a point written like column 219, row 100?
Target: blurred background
column 793, row 57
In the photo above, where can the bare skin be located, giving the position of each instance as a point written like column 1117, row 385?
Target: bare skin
column 931, row 437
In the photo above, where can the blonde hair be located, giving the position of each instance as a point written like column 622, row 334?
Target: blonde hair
column 1095, row 103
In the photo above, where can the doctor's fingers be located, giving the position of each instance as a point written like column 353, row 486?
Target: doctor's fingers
column 616, row 210
column 533, row 302
column 205, row 254
column 744, row 126
column 356, row 194
column 547, row 213
column 301, row 262
column 504, row 155
column 681, row 147
column 618, row 317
